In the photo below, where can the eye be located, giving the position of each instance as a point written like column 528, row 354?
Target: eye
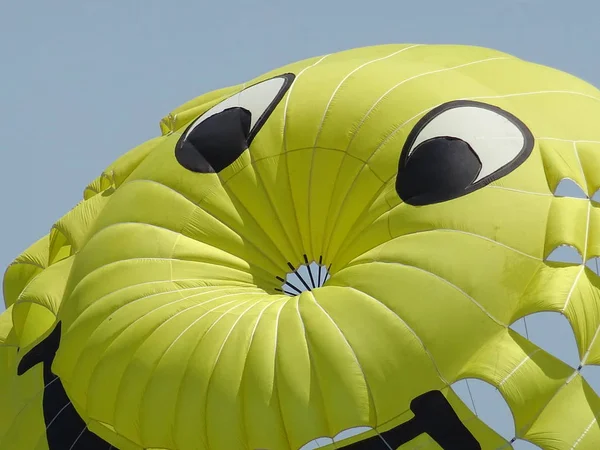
column 220, row 135
column 458, row 148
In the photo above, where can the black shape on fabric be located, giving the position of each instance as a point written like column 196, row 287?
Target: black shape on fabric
column 65, row 429
column 433, row 415
column 444, row 167
column 440, row 169
column 217, row 141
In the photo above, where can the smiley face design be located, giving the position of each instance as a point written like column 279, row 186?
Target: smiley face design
column 314, row 259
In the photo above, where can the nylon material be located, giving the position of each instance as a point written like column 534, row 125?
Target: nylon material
column 535, row 183
column 514, row 270
column 90, row 293
column 118, row 315
column 204, row 102
column 299, row 160
column 325, row 162
column 181, row 120
column 206, row 228
column 45, row 289
column 165, row 242
column 21, row 407
column 272, row 172
column 137, row 242
column 561, row 161
column 384, row 162
column 569, row 116
column 557, row 430
column 89, row 343
column 526, row 376
column 108, row 434
column 160, row 166
column 128, row 162
column 261, row 210
column 236, row 216
column 505, row 223
column 16, row 278
column 268, row 142
column 137, row 390
column 415, row 70
column 415, row 306
column 186, row 249
column 211, row 275
column 358, row 243
column 372, row 228
column 364, row 189
column 191, row 397
column 583, row 310
column 35, row 311
column 31, row 322
column 567, row 224
column 302, row 401
column 92, row 189
column 353, row 104
column 587, row 153
column 111, row 342
column 75, row 225
column 135, row 202
column 23, row 269
column 175, row 121
column 303, row 124
column 353, row 439
column 260, row 403
column 410, row 101
column 347, row 173
column 117, row 357
column 6, row 330
column 458, row 54
column 593, row 241
column 340, row 375
column 76, row 336
column 383, row 362
column 549, row 289
column 21, row 432
column 196, row 377
column 236, row 168
column 223, row 413
column 535, row 78
column 59, row 246
column 168, row 349
column 593, row 356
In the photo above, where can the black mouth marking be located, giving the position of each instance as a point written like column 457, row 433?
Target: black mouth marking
column 65, row 429
column 434, row 416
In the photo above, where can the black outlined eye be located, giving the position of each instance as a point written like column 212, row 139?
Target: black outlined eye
column 220, row 135
column 458, row 148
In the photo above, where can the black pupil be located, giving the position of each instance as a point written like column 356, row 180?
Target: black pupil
column 216, row 142
column 438, row 169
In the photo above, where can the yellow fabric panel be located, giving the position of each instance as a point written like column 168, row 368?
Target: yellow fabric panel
column 21, row 418
column 26, row 266
column 173, row 284
column 568, row 222
column 556, row 430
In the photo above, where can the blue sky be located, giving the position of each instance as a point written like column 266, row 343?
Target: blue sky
column 83, row 82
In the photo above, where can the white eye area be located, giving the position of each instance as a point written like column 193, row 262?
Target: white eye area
column 259, row 99
column 495, row 136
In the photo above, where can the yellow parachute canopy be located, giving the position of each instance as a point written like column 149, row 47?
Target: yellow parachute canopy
column 314, row 259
